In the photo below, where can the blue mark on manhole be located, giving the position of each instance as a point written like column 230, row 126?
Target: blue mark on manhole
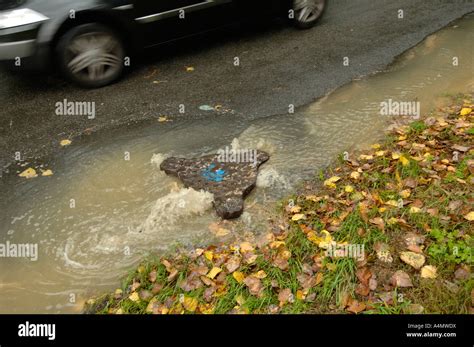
column 213, row 175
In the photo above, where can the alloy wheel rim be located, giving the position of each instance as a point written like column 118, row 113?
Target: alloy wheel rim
column 307, row 11
column 94, row 56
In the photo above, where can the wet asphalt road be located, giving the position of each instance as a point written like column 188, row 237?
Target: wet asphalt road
column 279, row 66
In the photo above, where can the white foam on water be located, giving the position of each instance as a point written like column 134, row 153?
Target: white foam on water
column 158, row 159
column 175, row 207
column 269, row 177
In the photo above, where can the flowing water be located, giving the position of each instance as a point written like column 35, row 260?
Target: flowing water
column 108, row 205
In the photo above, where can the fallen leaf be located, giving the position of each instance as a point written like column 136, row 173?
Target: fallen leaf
column 246, row 247
column 233, row 264
column 462, row 273
column 209, row 255
column 295, row 209
column 29, row 173
column 238, row 276
column 260, row 274
column 401, row 279
column 284, row 296
column 47, row 173
column 349, row 189
column 64, row 143
column 254, row 285
column 152, row 276
column 331, row 182
column 134, row 297
column 356, row 306
column 465, row 111
column 190, row 304
column 298, row 217
column 405, row 194
column 413, row 259
column 355, row 175
column 469, row 216
column 214, row 272
column 414, row 309
column 404, row 160
column 378, row 222
column 428, row 271
column 364, row 274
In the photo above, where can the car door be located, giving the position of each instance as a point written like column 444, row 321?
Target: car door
column 163, row 20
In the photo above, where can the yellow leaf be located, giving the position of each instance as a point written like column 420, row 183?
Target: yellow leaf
column 300, row 295
column 376, row 146
column 276, row 244
column 47, row 173
column 260, row 274
column 151, row 304
column 349, row 189
column 465, row 111
column 330, row 182
column 189, row 68
column 64, row 143
column 238, row 276
column 319, row 278
column 470, row 216
column 214, row 272
column 298, row 217
column 246, row 247
column 395, row 156
column 29, row 173
column 134, row 297
column 323, row 240
column 355, row 175
column 405, row 193
column 392, row 203
column 380, row 153
column 404, row 160
column 392, row 221
column 209, row 255
column 428, row 271
column 190, row 304
column 441, row 121
column 206, row 309
column 295, row 209
column 366, row 157
column 163, row 119
column 415, row 209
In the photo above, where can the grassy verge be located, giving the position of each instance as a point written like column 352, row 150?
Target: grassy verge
column 388, row 230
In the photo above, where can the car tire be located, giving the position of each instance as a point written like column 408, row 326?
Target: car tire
column 307, row 12
column 91, row 55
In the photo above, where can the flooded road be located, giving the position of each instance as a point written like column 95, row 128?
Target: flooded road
column 108, row 205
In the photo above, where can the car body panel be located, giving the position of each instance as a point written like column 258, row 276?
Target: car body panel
column 141, row 23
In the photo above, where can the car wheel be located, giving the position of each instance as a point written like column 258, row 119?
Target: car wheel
column 91, row 55
column 308, row 12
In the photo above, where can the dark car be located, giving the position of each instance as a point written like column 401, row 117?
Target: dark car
column 90, row 41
